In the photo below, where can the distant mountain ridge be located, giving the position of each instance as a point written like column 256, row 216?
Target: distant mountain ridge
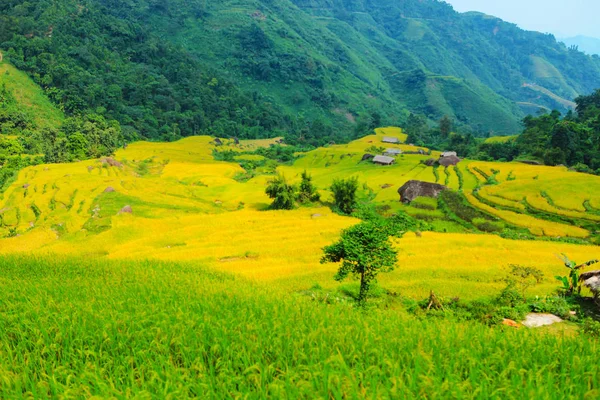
column 312, row 67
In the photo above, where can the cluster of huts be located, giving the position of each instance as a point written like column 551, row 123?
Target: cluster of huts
column 447, row 158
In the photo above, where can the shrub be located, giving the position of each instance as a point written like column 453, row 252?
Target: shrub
column 591, row 327
column 308, row 192
column 282, row 193
column 344, row 194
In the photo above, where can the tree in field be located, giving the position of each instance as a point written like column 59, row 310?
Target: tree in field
column 344, row 194
column 308, row 192
column 445, row 126
column 282, row 193
column 416, row 127
column 364, row 251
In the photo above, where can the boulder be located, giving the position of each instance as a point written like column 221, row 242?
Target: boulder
column 413, row 189
column 111, row 161
column 448, row 161
column 534, row 320
column 510, row 322
column 126, row 210
column 109, row 189
column 367, row 156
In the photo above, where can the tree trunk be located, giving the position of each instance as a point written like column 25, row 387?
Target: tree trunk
column 364, row 288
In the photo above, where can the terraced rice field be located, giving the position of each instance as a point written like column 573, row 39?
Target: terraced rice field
column 202, row 290
column 187, row 206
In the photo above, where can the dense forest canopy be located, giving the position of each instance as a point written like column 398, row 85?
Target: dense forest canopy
column 166, row 69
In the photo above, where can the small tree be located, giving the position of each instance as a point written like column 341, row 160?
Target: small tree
column 344, row 194
column 445, row 126
column 364, row 251
column 308, row 192
column 523, row 278
column 282, row 193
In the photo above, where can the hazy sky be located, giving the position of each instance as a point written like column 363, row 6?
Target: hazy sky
column 563, row 18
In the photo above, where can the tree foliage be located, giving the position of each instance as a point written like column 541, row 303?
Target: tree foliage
column 364, row 251
column 307, row 192
column 344, row 194
column 282, row 193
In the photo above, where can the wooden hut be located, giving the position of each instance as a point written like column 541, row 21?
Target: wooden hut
column 383, row 160
column 389, row 139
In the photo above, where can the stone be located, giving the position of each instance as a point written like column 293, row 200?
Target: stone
column 126, row 210
column 413, row 189
column 534, row 320
column 510, row 322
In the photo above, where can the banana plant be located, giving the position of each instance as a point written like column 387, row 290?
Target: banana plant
column 571, row 285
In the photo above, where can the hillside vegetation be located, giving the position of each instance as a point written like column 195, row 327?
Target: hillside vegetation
column 254, row 68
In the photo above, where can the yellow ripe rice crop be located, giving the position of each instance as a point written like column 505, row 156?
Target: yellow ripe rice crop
column 536, row 226
column 500, row 139
column 568, row 189
column 491, row 195
column 187, row 207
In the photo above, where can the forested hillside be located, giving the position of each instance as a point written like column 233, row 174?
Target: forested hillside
column 256, row 68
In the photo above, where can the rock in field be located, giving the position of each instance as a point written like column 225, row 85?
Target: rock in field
column 536, row 320
column 510, row 322
column 126, row 210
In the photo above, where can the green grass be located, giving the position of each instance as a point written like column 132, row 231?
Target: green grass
column 77, row 329
column 30, row 97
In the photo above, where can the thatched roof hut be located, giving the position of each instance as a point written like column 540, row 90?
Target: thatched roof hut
column 449, row 154
column 367, row 156
column 392, row 152
column 217, row 142
column 592, row 281
column 383, row 160
column 448, row 161
column 389, row 139
column 109, row 189
column 236, row 140
column 413, row 189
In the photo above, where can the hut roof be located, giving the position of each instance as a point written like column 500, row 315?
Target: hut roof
column 413, row 189
column 393, row 151
column 449, row 154
column 385, row 160
column 591, row 280
column 448, row 161
column 389, row 139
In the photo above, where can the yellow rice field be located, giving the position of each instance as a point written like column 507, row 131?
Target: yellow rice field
column 187, row 207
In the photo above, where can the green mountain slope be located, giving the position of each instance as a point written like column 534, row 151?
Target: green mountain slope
column 27, row 99
column 249, row 68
